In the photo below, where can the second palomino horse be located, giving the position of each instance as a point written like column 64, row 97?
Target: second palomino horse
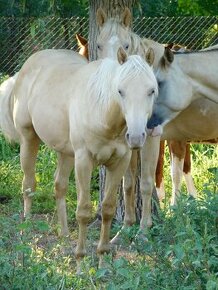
column 90, row 114
column 151, row 146
column 188, row 97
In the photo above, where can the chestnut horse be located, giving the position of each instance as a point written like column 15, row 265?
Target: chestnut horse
column 86, row 113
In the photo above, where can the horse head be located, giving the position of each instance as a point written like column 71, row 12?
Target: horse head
column 137, row 90
column 114, row 32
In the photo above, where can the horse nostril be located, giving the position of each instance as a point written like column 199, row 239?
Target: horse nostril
column 143, row 135
column 127, row 136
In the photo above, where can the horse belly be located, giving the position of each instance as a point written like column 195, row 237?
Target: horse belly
column 51, row 125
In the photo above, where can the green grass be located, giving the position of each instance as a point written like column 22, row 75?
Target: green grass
column 181, row 252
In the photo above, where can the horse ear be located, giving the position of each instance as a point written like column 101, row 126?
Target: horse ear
column 81, row 41
column 126, row 17
column 101, row 17
column 169, row 45
column 150, row 56
column 121, row 55
column 167, row 58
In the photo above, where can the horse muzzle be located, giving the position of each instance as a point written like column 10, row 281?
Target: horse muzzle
column 135, row 141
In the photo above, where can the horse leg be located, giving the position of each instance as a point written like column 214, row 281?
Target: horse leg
column 159, row 172
column 83, row 172
column 129, row 196
column 149, row 158
column 129, row 190
column 187, row 172
column 29, row 147
column 62, row 174
column 177, row 151
column 114, row 175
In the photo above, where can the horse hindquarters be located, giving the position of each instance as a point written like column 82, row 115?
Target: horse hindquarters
column 28, row 152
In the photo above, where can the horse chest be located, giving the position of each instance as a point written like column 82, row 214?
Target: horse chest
column 109, row 153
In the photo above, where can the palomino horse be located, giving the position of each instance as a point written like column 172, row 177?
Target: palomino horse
column 112, row 34
column 90, row 114
column 41, row 60
column 176, row 158
column 189, row 96
column 151, row 147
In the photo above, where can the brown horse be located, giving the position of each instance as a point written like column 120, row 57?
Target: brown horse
column 86, row 113
column 83, row 45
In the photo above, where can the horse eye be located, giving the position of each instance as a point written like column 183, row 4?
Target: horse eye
column 99, row 46
column 121, row 93
column 126, row 46
column 152, row 92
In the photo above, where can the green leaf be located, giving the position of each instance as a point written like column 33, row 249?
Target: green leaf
column 124, row 272
column 101, row 273
column 42, row 226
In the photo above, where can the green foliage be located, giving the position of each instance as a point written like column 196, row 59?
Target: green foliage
column 32, row 8
column 181, row 251
column 198, row 7
column 160, row 8
column 68, row 8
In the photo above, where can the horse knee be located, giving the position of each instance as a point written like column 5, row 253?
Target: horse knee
column 108, row 212
column 60, row 189
column 146, row 186
column 84, row 213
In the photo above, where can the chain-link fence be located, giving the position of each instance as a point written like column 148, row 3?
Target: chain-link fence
column 20, row 37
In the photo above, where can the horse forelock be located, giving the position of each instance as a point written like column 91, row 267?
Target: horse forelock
column 133, row 67
column 112, row 27
column 137, row 46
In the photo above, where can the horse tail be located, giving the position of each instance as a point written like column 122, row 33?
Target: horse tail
column 6, row 109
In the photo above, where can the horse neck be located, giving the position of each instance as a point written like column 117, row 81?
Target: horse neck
column 193, row 65
column 114, row 120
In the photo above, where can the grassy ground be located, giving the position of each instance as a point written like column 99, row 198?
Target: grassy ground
column 181, row 252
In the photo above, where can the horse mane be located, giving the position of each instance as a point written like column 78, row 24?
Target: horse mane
column 206, row 50
column 137, row 45
column 103, row 84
